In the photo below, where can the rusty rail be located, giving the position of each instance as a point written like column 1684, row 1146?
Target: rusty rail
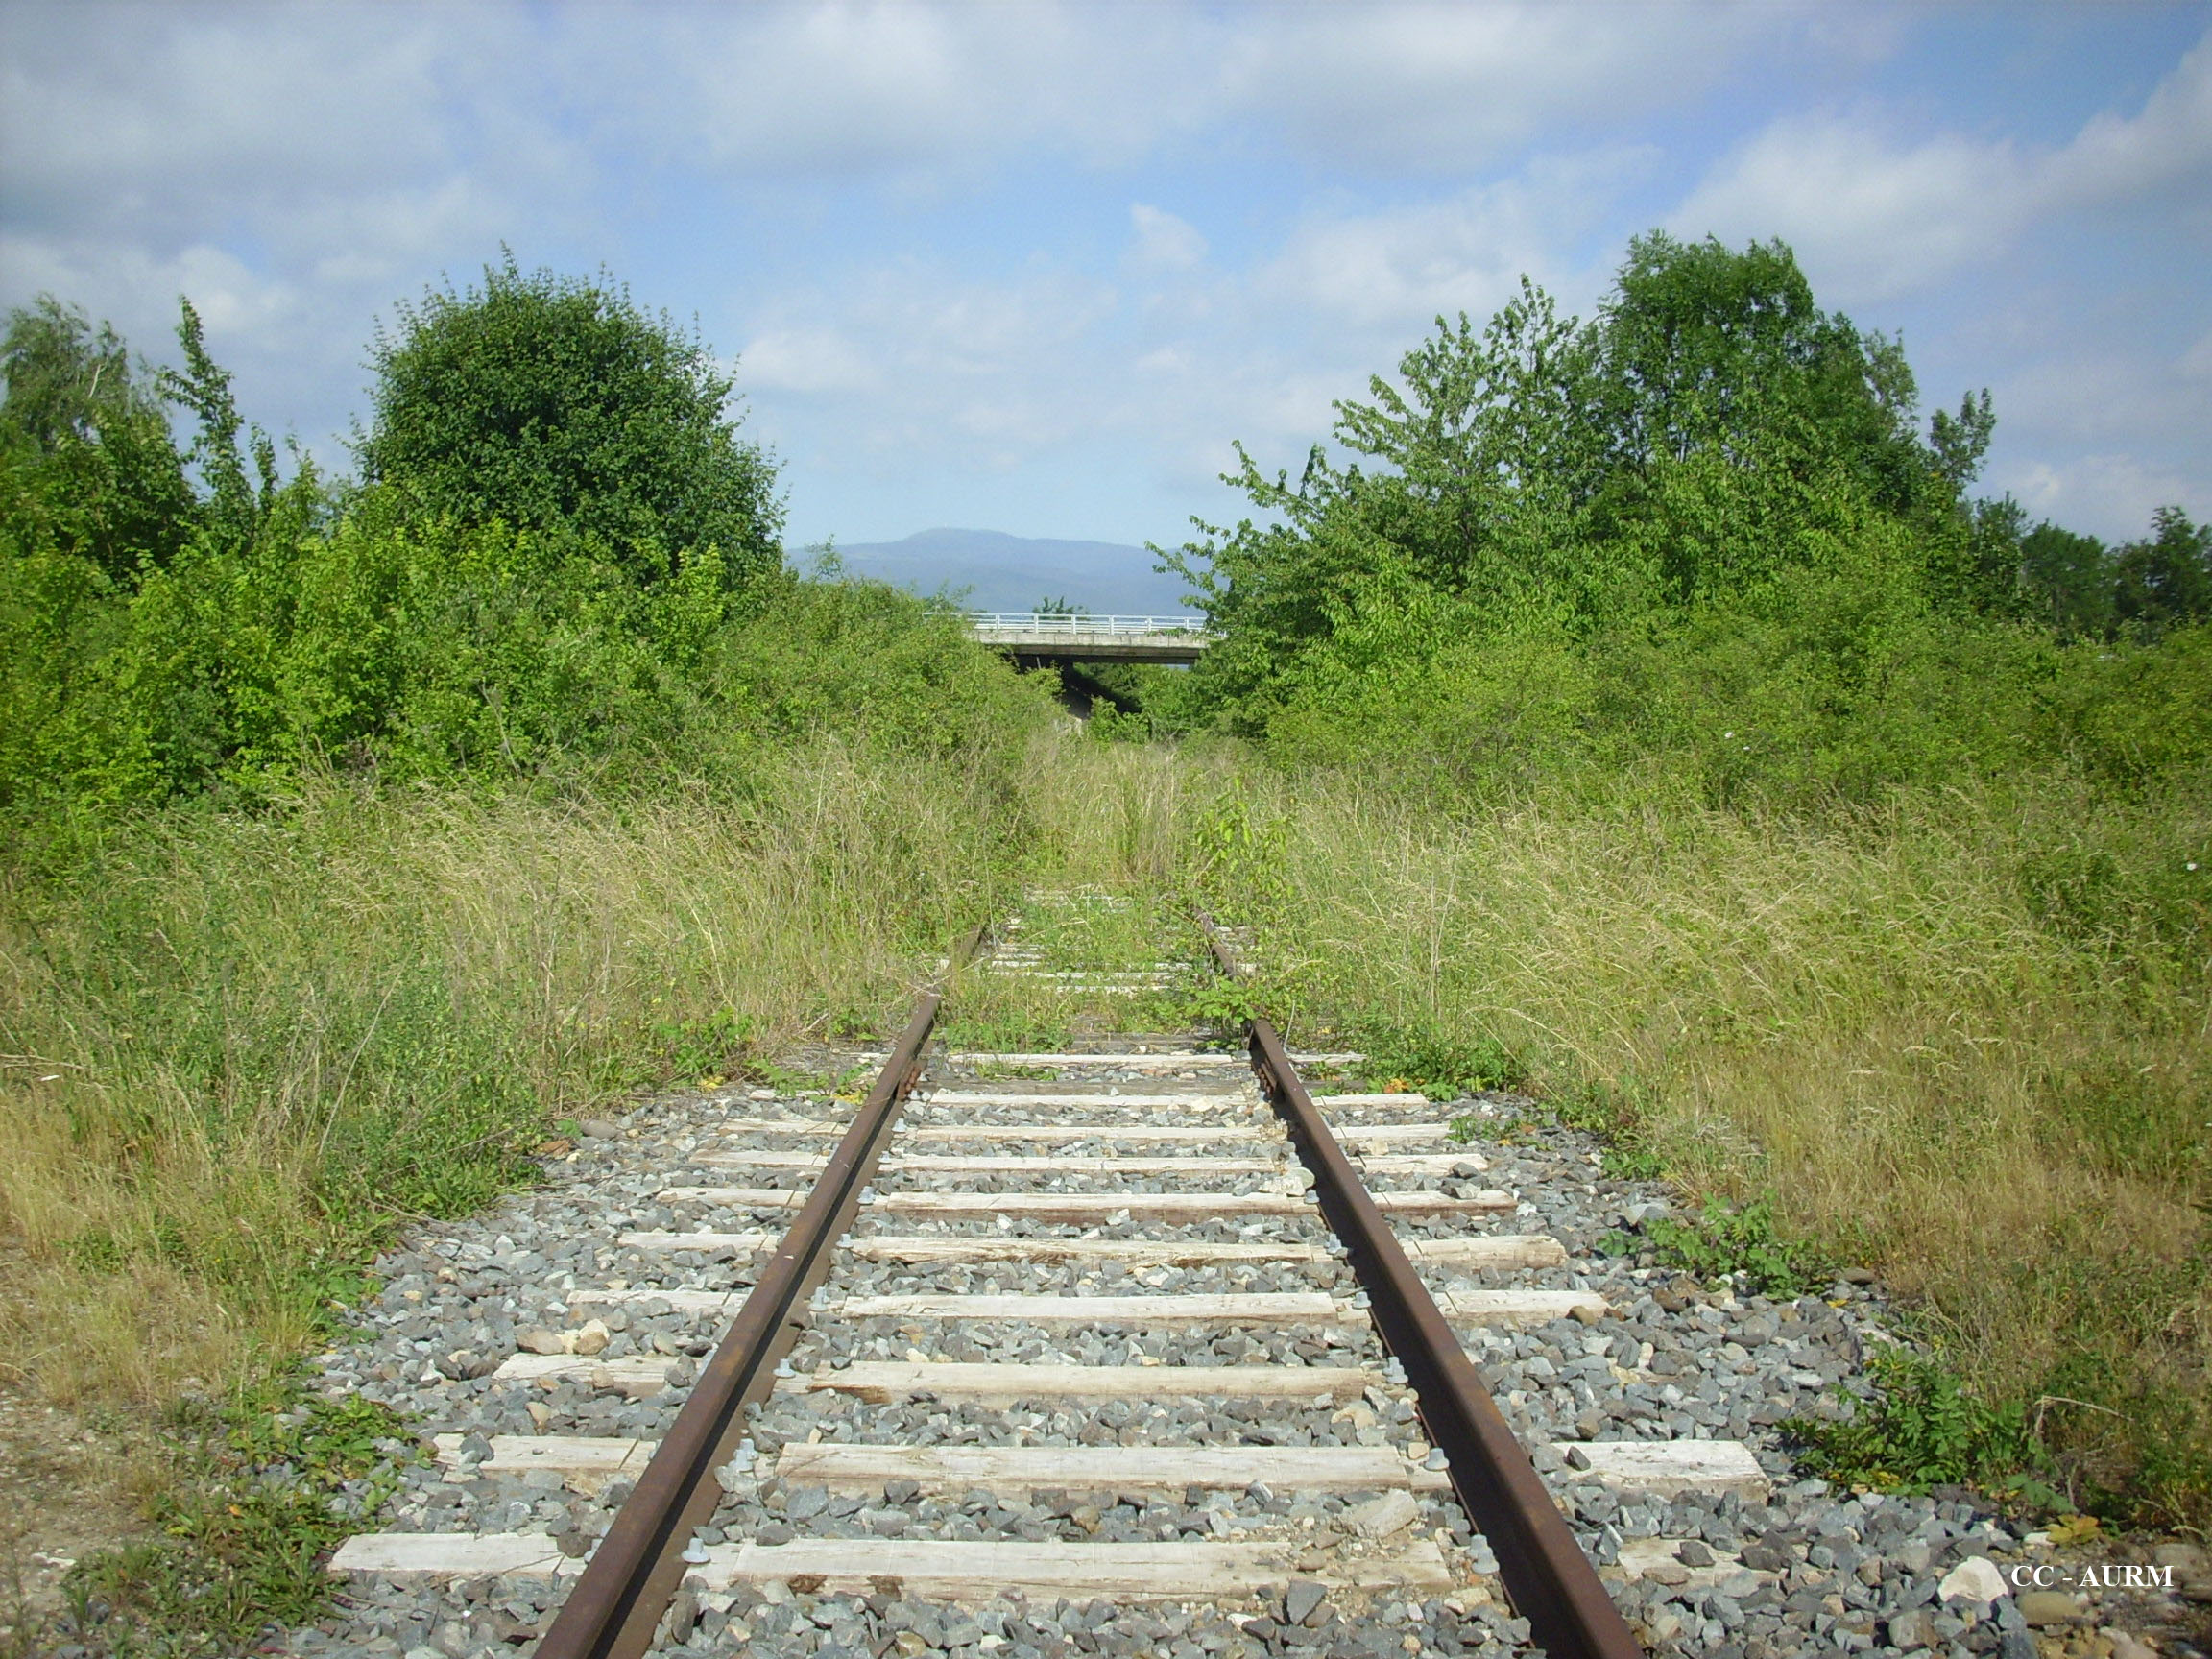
column 619, row 1601
column 1550, row 1581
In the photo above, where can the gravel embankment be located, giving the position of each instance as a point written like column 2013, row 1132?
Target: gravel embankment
column 1801, row 1570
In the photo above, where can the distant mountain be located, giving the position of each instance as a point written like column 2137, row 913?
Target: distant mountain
column 1013, row 572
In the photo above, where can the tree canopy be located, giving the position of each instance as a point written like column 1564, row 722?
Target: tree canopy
column 556, row 404
column 84, row 444
column 1710, row 429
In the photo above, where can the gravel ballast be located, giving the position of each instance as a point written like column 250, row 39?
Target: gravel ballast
column 1799, row 1570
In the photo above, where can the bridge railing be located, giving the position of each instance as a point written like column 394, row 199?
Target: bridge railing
column 1028, row 623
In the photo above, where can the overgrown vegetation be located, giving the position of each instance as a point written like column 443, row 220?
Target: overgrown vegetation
column 1650, row 701
column 1641, row 713
column 1700, row 536
column 1870, row 1015
column 1922, row 1428
column 252, row 1498
column 1732, row 1242
column 560, row 573
column 359, row 830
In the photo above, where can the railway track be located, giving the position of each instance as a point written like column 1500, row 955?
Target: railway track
column 1134, row 1349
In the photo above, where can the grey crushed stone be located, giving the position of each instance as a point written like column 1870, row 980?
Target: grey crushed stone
column 1809, row 1571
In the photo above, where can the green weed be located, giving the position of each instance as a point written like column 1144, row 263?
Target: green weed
column 1233, row 861
column 1210, row 1001
column 277, row 1034
column 1631, row 1163
column 720, row 1045
column 1010, row 1033
column 1442, row 1064
column 1615, row 1113
column 1725, row 1242
column 1923, row 1429
column 256, row 1493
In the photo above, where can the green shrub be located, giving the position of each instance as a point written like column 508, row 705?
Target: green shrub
column 1922, row 1428
column 556, row 405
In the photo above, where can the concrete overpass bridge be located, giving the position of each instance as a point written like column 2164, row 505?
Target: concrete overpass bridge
column 1035, row 640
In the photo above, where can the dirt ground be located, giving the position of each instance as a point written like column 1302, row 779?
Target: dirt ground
column 62, row 1497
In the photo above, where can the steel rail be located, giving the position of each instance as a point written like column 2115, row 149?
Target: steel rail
column 1549, row 1579
column 617, row 1603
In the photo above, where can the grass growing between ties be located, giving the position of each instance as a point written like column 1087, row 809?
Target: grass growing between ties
column 1050, row 979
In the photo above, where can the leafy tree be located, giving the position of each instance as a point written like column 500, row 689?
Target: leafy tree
column 1703, row 346
column 86, row 462
column 65, row 378
column 1490, row 448
column 235, row 508
column 506, row 630
column 557, row 405
column 1719, row 360
column 1487, row 463
column 2165, row 580
column 1981, row 568
column 2068, row 578
column 1712, row 436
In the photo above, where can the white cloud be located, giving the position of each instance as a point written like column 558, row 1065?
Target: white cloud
column 808, row 360
column 1165, row 241
column 891, row 91
column 159, row 120
column 920, row 368
column 1392, row 271
column 291, row 170
column 1438, row 88
column 2116, row 157
column 911, row 92
column 2104, row 494
column 139, row 292
column 1874, row 215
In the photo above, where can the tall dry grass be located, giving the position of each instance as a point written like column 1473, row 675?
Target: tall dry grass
column 1867, row 1018
column 1990, row 1082
column 238, row 1047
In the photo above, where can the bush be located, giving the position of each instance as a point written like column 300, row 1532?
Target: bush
column 557, row 406
column 567, row 575
column 1923, row 1429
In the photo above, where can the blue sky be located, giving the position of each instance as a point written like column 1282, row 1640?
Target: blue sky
column 1033, row 267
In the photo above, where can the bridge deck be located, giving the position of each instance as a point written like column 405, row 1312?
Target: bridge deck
column 1092, row 638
